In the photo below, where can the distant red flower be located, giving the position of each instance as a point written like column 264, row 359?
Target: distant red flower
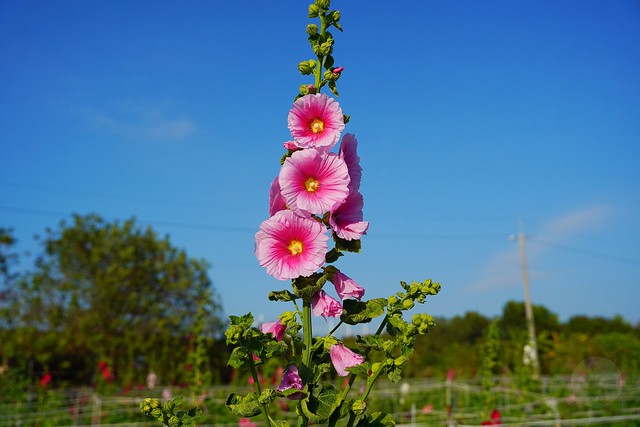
column 102, row 365
column 495, row 419
column 45, row 379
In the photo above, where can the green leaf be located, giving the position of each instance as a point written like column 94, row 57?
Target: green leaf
column 334, row 90
column 246, row 406
column 377, row 419
column 320, row 405
column 238, row 357
column 279, row 423
column 284, row 296
column 373, row 342
column 307, row 286
column 328, row 62
column 346, row 245
column 362, row 312
column 332, row 256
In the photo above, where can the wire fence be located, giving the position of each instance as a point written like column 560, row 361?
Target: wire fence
column 560, row 401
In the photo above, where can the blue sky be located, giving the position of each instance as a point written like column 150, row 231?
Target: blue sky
column 469, row 116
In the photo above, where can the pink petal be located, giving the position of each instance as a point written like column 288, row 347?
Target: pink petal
column 314, row 108
column 342, row 358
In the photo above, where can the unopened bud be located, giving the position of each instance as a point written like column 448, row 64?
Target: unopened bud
column 312, row 29
column 335, row 15
column 337, row 70
column 323, row 4
column 359, row 407
column 407, row 304
column 306, row 67
column 314, row 10
column 393, row 299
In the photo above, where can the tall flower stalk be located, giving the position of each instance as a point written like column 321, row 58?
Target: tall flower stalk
column 316, row 217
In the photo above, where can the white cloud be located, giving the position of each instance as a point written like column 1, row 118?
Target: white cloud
column 503, row 270
column 135, row 121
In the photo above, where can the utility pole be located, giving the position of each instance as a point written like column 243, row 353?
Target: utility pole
column 528, row 309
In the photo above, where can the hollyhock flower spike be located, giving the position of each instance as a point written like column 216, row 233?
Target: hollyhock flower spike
column 277, row 329
column 291, row 379
column 324, row 305
column 348, row 153
column 345, row 286
column 343, row 358
column 314, row 182
column 290, row 246
column 346, row 220
column 316, row 121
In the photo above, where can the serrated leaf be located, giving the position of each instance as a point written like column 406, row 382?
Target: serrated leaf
column 362, row 312
column 246, row 406
column 373, row 342
column 377, row 419
column 319, row 406
column 238, row 358
column 279, row 423
column 283, row 295
column 307, row 286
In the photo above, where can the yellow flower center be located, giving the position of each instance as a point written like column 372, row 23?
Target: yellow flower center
column 317, row 126
column 311, row 185
column 295, row 247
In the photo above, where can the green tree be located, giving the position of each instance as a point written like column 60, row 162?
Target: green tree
column 114, row 292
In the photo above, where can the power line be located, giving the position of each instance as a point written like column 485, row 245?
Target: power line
column 587, row 251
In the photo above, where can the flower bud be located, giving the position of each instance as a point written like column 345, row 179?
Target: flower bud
column 325, row 48
column 323, row 4
column 393, row 300
column 312, row 29
column 314, row 10
column 337, row 70
column 335, row 15
column 407, row 304
column 306, row 67
column 359, row 407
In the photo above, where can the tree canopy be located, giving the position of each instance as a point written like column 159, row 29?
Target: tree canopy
column 111, row 291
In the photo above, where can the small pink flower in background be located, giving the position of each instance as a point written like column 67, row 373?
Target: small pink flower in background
column 345, row 286
column 152, row 380
column 291, row 379
column 166, row 394
column 427, row 409
column 324, row 305
column 276, row 201
column 314, row 181
column 45, row 379
column 349, row 153
column 246, row 422
column 290, row 246
column 450, row 374
column 343, row 358
column 276, row 329
column 346, row 220
column 316, row 121
column 495, row 419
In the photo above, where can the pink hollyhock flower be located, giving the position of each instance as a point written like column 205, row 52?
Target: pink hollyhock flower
column 346, row 287
column 276, row 201
column 313, row 181
column 289, row 246
column 324, row 305
column 274, row 328
column 346, row 220
column 343, row 358
column 316, row 121
column 291, row 379
column 348, row 153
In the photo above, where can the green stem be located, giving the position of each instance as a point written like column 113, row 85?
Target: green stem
column 318, row 73
column 307, row 338
column 334, row 329
column 256, row 382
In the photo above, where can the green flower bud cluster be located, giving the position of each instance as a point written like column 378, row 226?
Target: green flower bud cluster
column 321, row 41
column 167, row 414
